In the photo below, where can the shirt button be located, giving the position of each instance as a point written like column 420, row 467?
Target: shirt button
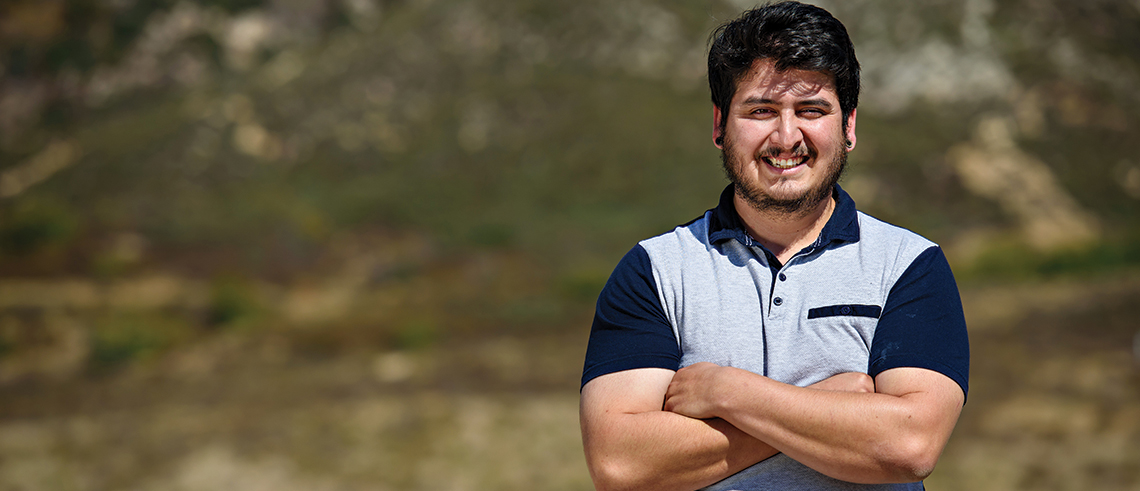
column 845, row 310
column 782, row 277
column 778, row 301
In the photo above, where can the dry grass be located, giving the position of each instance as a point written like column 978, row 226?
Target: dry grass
column 1054, row 404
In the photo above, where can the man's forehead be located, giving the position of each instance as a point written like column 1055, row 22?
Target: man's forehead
column 763, row 80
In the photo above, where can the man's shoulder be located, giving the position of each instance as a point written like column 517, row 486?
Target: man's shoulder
column 876, row 232
column 891, row 248
column 695, row 232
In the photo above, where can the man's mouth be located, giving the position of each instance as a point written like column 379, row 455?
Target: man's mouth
column 785, row 163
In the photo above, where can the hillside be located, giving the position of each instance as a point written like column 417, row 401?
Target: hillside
column 335, row 215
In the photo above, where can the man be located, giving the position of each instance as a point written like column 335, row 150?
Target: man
column 783, row 340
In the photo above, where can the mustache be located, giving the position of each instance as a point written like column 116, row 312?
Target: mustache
column 800, row 150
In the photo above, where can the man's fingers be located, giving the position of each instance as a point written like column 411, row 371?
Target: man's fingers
column 846, row 382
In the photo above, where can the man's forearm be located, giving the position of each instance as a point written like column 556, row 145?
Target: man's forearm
column 839, row 434
column 631, row 443
column 660, row 450
column 895, row 436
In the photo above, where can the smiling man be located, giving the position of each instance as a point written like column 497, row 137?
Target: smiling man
column 783, row 340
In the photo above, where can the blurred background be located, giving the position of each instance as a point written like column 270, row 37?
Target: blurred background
column 355, row 244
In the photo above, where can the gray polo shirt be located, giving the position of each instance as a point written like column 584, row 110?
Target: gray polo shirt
column 866, row 296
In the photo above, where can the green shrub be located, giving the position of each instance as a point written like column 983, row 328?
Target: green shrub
column 34, row 224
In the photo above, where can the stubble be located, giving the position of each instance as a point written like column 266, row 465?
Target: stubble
column 793, row 207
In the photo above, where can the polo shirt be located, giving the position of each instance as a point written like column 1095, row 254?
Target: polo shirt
column 865, row 296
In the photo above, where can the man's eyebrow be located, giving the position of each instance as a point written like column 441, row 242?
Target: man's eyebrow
column 824, row 103
column 755, row 100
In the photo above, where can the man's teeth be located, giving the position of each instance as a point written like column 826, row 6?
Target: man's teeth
column 785, row 163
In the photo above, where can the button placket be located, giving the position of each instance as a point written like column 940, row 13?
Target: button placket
column 783, row 277
column 778, row 300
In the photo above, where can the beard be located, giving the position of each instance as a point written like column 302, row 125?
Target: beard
column 792, row 207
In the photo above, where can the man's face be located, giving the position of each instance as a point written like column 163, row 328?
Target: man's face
column 784, row 142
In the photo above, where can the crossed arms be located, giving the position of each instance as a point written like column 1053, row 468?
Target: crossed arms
column 657, row 429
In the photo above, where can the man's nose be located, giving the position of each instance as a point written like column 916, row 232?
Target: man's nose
column 787, row 134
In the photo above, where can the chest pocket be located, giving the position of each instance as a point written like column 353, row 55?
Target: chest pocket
column 839, row 337
column 847, row 310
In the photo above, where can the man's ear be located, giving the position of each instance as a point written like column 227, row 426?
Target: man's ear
column 849, row 134
column 718, row 128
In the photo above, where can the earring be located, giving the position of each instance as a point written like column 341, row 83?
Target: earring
column 720, row 140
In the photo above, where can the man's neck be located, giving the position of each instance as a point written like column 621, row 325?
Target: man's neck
column 784, row 234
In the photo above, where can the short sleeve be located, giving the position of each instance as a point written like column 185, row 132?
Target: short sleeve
column 630, row 329
column 922, row 324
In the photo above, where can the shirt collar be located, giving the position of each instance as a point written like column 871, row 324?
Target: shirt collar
column 843, row 226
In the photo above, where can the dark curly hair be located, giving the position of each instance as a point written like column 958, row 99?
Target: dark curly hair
column 794, row 36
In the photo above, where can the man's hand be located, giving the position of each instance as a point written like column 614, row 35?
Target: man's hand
column 846, row 382
column 695, row 389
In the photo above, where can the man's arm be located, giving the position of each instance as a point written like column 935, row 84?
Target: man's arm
column 920, row 355
column 631, row 443
column 895, row 434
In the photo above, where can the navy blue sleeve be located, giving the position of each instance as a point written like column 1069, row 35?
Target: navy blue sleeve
column 922, row 324
column 630, row 327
